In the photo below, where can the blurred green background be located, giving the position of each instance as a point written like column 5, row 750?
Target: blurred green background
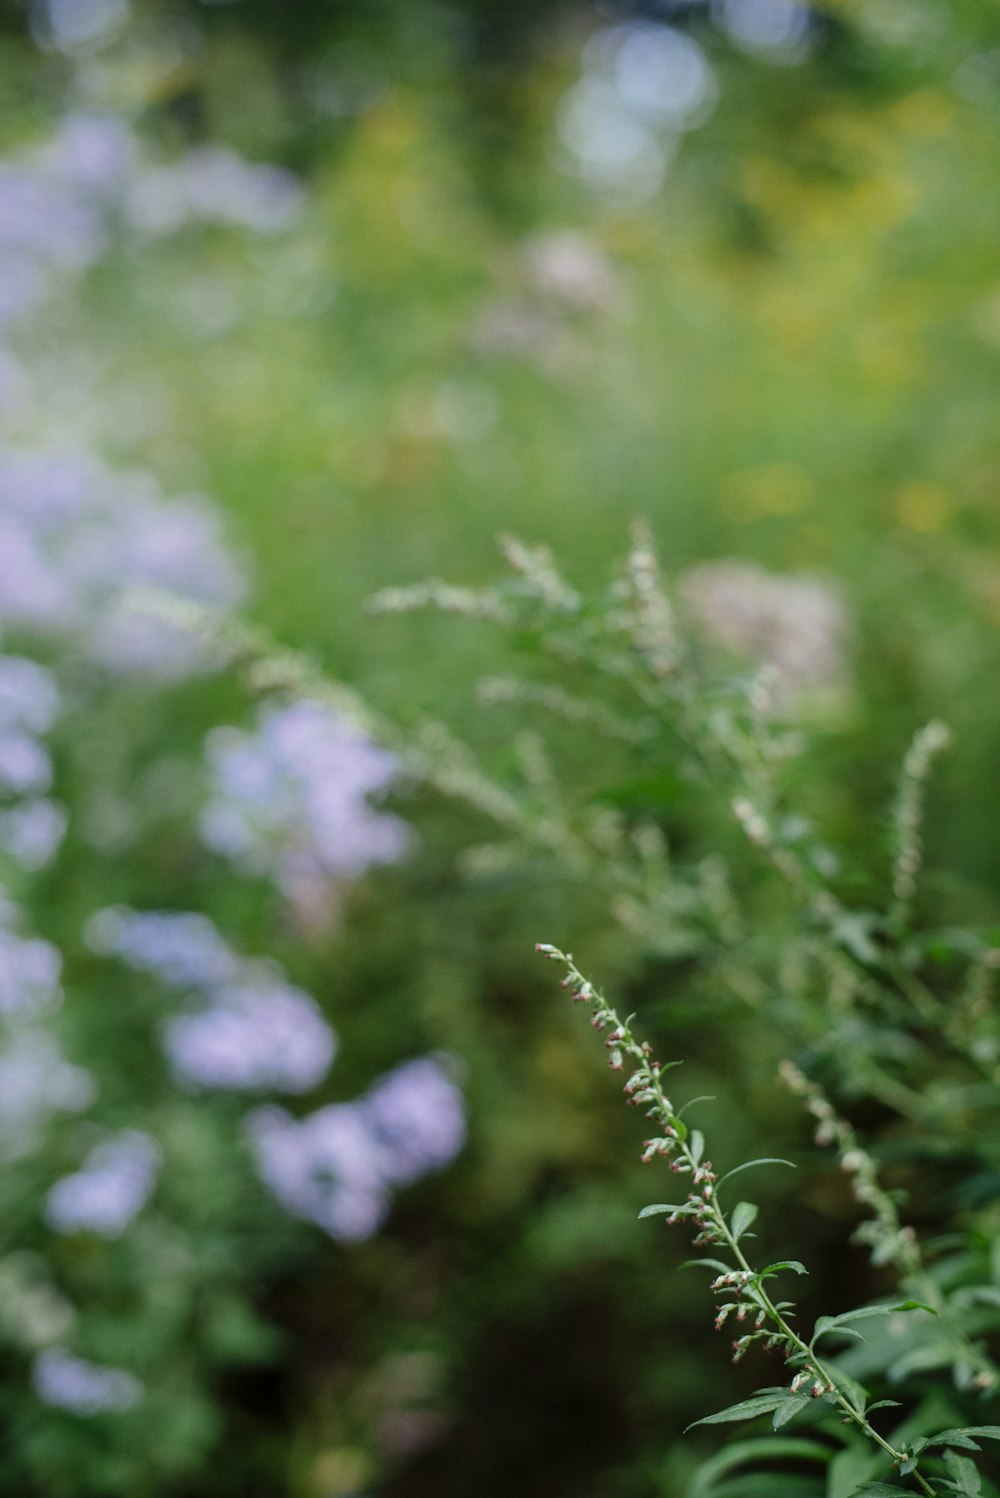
column 768, row 323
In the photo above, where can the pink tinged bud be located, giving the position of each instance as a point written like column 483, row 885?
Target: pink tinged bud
column 816, row 1390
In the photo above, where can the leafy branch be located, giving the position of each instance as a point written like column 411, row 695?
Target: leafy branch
column 741, row 1289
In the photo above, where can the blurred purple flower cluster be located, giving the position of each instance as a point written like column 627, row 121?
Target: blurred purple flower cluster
column 31, row 828
column 212, row 184
column 71, row 1383
column 252, row 1030
column 59, row 202
column 111, row 1186
column 75, row 539
column 29, row 970
column 337, row 1166
column 290, row 800
column 36, row 1080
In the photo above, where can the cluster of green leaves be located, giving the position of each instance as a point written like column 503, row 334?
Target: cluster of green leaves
column 890, row 1019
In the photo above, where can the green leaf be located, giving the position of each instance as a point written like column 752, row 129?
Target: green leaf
column 921, row 1360
column 752, row 1165
column 962, row 1437
column 826, row 1324
column 656, row 1209
column 741, row 1217
column 697, row 1145
column 757, row 1449
column 770, row 1485
column 878, row 1490
column 764, row 1402
column 691, row 1103
column 855, row 1465
column 792, row 1264
column 789, row 1409
column 965, row 1479
column 714, row 1264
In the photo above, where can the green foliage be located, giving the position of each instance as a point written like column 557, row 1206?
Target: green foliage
column 796, row 368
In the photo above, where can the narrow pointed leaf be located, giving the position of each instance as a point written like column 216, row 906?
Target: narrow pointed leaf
column 757, row 1449
column 691, row 1103
column 793, row 1264
column 963, row 1437
column 741, row 1217
column 752, row 1165
column 789, row 1409
column 763, row 1403
column 716, row 1265
column 836, row 1323
column 656, row 1209
column 964, row 1475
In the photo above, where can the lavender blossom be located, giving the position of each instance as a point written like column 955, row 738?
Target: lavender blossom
column 75, row 540
column 29, row 697
column 256, row 1036
column 96, row 151
column 37, row 1081
column 326, row 1169
column 416, row 1114
column 113, row 1184
column 25, row 767
column 256, row 1032
column 180, row 948
column 71, row 1383
column 337, row 1167
column 29, row 973
column 214, row 185
column 289, row 799
column 31, row 832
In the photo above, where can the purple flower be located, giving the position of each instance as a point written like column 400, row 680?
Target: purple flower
column 36, row 1081
column 29, row 697
column 290, row 799
column 31, row 832
column 259, row 1036
column 113, row 1184
column 96, row 151
column 214, row 185
column 326, row 1168
column 255, row 1032
column 417, row 1115
column 337, row 1167
column 29, row 974
column 180, row 948
column 25, row 766
column 71, row 1383
column 77, row 541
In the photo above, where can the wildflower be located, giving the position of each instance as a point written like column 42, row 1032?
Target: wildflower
column 71, row 1383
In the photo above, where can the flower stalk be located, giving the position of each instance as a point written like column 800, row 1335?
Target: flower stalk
column 743, row 1298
